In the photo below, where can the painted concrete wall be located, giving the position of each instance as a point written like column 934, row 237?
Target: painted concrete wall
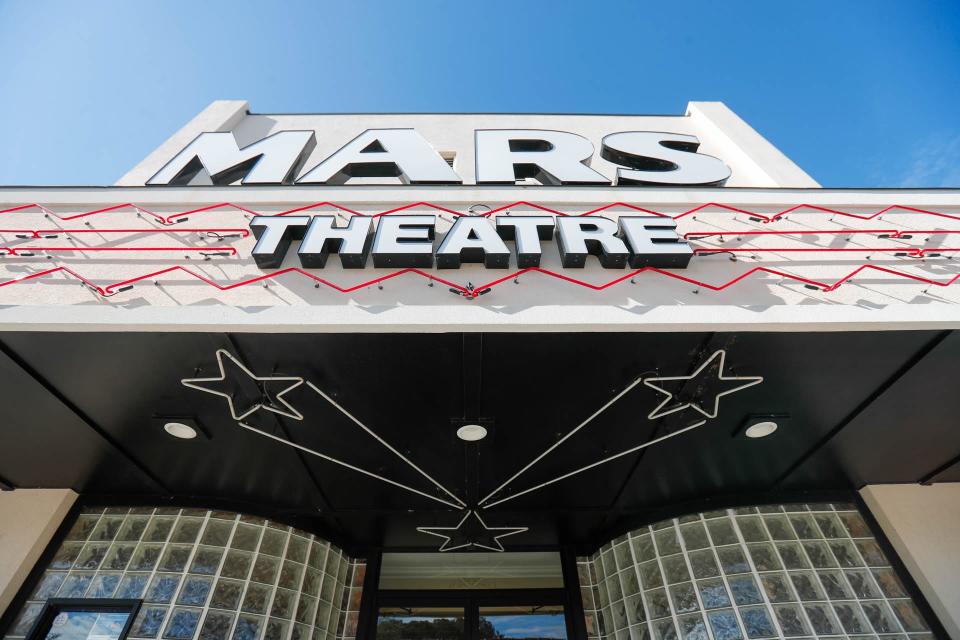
column 28, row 520
column 157, row 269
column 754, row 162
column 923, row 524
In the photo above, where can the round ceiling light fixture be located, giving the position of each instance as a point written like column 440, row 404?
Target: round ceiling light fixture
column 180, row 430
column 471, row 432
column 761, row 429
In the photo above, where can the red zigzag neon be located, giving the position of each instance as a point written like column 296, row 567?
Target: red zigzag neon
column 470, row 292
column 475, row 292
column 177, row 217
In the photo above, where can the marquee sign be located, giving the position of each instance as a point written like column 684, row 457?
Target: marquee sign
column 897, row 243
column 502, row 156
column 404, row 241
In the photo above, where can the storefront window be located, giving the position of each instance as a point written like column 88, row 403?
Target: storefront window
column 84, row 619
column 87, row 625
column 201, row 575
column 785, row 571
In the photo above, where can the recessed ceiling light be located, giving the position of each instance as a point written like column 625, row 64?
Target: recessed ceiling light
column 761, row 429
column 471, row 432
column 180, row 430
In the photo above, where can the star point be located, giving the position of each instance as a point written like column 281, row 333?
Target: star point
column 471, row 532
column 268, row 390
column 674, row 388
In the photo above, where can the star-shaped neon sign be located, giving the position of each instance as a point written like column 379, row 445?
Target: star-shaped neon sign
column 471, row 532
column 699, row 391
column 245, row 392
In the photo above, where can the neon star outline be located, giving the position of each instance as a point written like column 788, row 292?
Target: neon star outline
column 290, row 412
column 722, row 354
column 433, row 531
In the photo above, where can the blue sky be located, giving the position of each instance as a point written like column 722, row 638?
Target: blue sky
column 530, row 626
column 857, row 93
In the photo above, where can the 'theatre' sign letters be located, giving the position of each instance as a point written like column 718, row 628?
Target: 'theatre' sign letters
column 401, row 241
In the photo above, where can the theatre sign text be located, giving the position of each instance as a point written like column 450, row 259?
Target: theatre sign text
column 408, row 241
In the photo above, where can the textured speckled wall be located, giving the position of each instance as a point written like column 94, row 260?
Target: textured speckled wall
column 28, row 520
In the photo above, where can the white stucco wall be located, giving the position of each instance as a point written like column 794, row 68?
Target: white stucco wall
column 42, row 290
column 28, row 520
column 923, row 524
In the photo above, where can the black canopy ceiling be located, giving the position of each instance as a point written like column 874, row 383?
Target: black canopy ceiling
column 81, row 411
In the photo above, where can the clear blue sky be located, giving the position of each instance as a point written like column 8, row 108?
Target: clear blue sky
column 551, row 625
column 857, row 93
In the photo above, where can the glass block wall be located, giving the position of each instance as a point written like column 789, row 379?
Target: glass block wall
column 786, row 571
column 208, row 575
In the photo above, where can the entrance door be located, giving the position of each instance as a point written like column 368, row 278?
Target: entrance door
column 521, row 614
column 524, row 622
column 421, row 623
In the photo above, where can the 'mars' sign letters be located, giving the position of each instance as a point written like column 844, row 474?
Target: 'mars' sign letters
column 408, row 241
column 503, row 156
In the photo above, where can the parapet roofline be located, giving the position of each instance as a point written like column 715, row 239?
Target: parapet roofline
column 684, row 114
column 470, row 113
column 649, row 193
column 753, row 159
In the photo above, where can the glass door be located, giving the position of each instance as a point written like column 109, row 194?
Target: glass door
column 421, row 623
column 522, row 622
column 472, row 615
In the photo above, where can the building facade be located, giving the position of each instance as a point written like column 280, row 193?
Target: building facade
column 410, row 376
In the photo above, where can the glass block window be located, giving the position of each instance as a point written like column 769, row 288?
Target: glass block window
column 785, row 571
column 204, row 575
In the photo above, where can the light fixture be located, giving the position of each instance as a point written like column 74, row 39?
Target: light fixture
column 761, row 429
column 181, row 427
column 472, row 432
column 180, row 430
column 761, row 425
